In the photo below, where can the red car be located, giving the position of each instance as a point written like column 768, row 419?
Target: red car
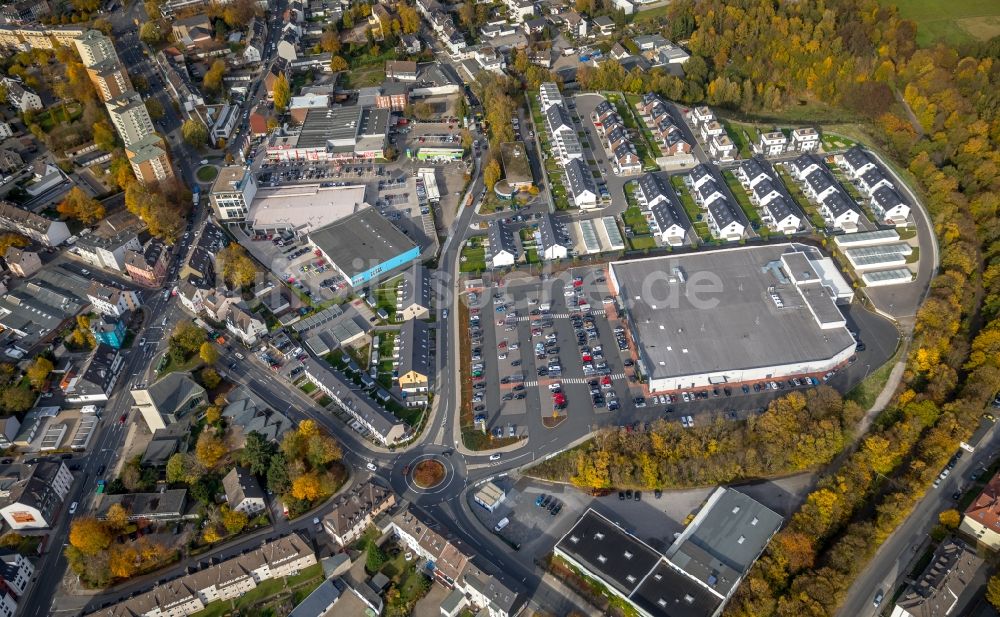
column 122, row 419
column 606, row 380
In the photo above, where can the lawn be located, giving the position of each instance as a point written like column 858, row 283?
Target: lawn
column 268, row 592
column 865, row 393
column 807, row 206
column 411, row 584
column 385, row 296
column 656, row 13
column 742, row 198
column 634, row 218
column 654, row 148
column 833, row 141
column 742, row 135
column 206, row 173
column 642, row 242
column 963, row 21
column 57, row 114
column 363, row 77
column 694, row 213
column 473, row 257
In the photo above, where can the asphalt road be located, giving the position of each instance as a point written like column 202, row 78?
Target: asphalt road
column 890, row 564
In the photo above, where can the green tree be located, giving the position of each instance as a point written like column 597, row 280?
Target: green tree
column 374, row 557
column 278, row 480
column 155, row 108
column 183, row 468
column 257, row 453
column 195, row 133
column 150, row 33
column 188, row 337
column 104, row 137
column 282, row 93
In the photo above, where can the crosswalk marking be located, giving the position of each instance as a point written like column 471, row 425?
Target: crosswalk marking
column 523, row 318
column 572, row 380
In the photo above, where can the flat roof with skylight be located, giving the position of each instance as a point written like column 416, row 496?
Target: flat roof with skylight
column 732, row 315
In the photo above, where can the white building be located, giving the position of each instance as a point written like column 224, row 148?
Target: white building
column 887, row 204
column 244, row 325
column 112, row 300
column 15, row 571
column 722, row 148
column 773, row 143
column 549, row 95
column 503, row 245
column 243, row 493
column 33, row 497
column 805, row 139
column 225, row 122
column 21, row 98
column 581, row 185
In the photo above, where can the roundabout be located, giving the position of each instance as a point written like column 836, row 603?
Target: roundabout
column 428, row 473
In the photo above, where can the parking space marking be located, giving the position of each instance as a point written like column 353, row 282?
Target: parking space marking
column 523, row 318
column 572, row 380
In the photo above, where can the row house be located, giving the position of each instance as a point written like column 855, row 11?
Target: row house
column 805, row 139
column 549, row 95
column 622, row 152
column 655, row 195
column 772, row 143
column 776, row 143
column 762, row 186
column 660, row 122
column 562, row 133
column 724, row 221
column 722, row 148
column 873, row 182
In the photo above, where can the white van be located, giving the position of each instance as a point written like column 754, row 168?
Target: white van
column 503, row 523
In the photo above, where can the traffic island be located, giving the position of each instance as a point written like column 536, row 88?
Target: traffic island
column 428, row 473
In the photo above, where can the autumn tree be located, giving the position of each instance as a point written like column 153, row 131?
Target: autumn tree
column 211, row 535
column 993, row 591
column 188, row 337
column 208, row 353
column 233, row 520
column 210, row 378
column 122, row 561
column 105, row 137
column 282, row 93
column 194, row 133
column 408, row 18
column 950, row 518
column 116, row 518
column 150, row 33
column 307, row 487
column 80, row 206
column 491, row 174
column 329, row 42
column 337, row 63
column 9, row 239
column 154, row 108
column 89, row 535
column 183, row 468
column 212, row 82
column 238, row 269
column 423, row 111
column 213, row 414
column 209, row 449
column 39, row 371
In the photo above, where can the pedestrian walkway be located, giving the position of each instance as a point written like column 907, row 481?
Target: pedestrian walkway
column 522, row 318
column 571, row 380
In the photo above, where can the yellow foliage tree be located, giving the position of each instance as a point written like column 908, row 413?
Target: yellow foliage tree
column 116, row 518
column 122, row 561
column 209, row 449
column 950, row 518
column 89, row 535
column 307, row 487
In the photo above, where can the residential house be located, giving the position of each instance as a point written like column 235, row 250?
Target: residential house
column 243, row 493
column 805, row 139
column 519, row 10
column 981, row 519
column 410, row 44
column 576, row 25
column 401, row 70
column 581, row 185
column 105, row 246
column 22, row 263
column 780, row 215
column 356, row 510
column 44, row 304
column 503, row 246
column 109, row 330
column 150, row 265
column 19, row 97
column 9, row 428
column 773, row 143
column 232, row 193
column 246, row 413
column 549, row 95
column 40, row 229
column 244, row 325
column 549, row 244
column 193, row 31
column 752, row 171
column 382, row 424
column 226, row 580
column 890, row 207
column 413, row 364
column 948, row 577
column 92, row 379
column 722, row 148
column 856, row 162
column 161, row 506
column 604, row 25
column 168, row 399
column 840, row 212
column 10, row 161
column 413, row 297
column 534, row 26
column 32, row 496
column 112, row 300
column 16, row 571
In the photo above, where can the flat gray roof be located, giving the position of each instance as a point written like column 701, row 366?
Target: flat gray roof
column 715, row 311
column 620, row 559
column 669, row 593
column 361, row 240
column 334, row 124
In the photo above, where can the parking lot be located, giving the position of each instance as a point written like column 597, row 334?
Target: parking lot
column 554, row 351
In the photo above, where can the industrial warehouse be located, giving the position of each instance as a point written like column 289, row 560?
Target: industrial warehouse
column 734, row 315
